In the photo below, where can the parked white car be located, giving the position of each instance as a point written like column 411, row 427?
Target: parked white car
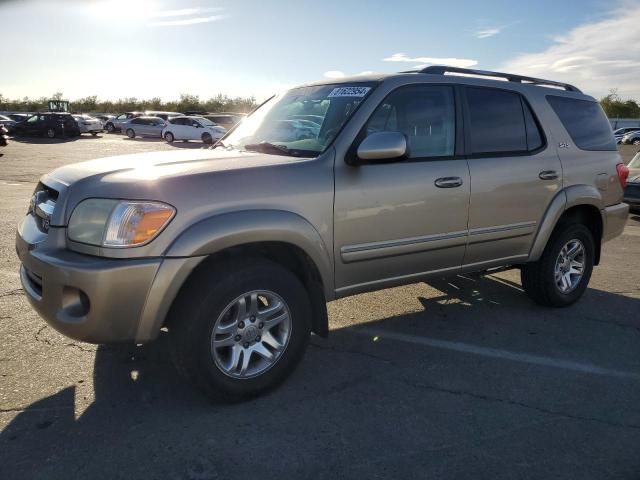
column 88, row 124
column 192, row 128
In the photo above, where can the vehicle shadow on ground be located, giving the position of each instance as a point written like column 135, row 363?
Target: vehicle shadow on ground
column 53, row 141
column 345, row 394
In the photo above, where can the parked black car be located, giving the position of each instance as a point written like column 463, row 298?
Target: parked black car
column 48, row 124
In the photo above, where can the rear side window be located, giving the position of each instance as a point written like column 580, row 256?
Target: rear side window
column 500, row 122
column 585, row 121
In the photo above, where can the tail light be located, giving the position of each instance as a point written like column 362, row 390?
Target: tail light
column 623, row 174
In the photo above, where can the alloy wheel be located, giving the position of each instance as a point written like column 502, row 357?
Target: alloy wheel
column 251, row 334
column 570, row 266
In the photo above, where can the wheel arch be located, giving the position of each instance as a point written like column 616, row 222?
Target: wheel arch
column 578, row 202
column 282, row 237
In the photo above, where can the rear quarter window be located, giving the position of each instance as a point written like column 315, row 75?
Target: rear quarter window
column 585, row 121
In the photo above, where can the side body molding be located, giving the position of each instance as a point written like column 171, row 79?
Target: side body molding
column 564, row 199
column 250, row 226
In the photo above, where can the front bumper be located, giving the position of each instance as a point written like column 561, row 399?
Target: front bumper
column 87, row 298
column 96, row 299
column 615, row 219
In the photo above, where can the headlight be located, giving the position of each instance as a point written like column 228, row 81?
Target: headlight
column 118, row 223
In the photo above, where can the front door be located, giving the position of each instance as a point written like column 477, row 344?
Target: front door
column 514, row 176
column 396, row 221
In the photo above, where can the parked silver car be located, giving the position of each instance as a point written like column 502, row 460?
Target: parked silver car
column 144, row 127
column 237, row 249
column 115, row 124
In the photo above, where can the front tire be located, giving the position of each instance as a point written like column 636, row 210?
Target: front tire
column 51, row 133
column 169, row 137
column 131, row 133
column 240, row 329
column 110, row 128
column 562, row 274
column 207, row 138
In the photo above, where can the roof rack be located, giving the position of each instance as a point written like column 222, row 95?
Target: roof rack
column 441, row 70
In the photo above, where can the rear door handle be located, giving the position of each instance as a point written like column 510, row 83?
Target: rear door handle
column 548, row 175
column 448, row 182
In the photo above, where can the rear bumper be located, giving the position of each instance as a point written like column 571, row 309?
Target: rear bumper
column 615, row 219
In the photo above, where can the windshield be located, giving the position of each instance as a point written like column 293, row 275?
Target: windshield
column 301, row 121
column 635, row 163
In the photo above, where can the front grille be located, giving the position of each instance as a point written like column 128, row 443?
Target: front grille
column 42, row 204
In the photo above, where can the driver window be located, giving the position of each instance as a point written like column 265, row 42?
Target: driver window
column 424, row 114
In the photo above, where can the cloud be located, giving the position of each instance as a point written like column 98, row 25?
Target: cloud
column 487, row 32
column 188, row 21
column 453, row 62
column 183, row 12
column 596, row 56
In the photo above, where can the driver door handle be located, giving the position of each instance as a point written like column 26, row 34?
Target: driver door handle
column 448, row 182
column 548, row 175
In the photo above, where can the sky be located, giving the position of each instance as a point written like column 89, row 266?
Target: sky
column 162, row 48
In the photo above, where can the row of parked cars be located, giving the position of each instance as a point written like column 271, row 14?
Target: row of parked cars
column 170, row 126
column 628, row 135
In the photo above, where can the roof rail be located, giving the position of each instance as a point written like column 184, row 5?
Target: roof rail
column 441, row 70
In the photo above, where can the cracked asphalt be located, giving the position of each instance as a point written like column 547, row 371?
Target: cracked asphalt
column 458, row 378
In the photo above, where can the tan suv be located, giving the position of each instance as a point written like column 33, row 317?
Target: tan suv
column 327, row 190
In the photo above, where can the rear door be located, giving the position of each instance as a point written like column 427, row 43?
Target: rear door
column 178, row 128
column 514, row 175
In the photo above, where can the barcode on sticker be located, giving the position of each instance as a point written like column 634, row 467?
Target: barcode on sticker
column 349, row 92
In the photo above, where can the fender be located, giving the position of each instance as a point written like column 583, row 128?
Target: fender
column 250, row 226
column 222, row 231
column 564, row 199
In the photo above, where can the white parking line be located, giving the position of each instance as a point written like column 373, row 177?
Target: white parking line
column 497, row 353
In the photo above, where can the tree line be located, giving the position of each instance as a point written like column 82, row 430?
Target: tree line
column 186, row 102
column 613, row 105
column 616, row 107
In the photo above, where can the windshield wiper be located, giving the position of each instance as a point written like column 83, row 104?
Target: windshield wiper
column 267, row 147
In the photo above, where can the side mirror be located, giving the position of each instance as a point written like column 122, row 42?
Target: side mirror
column 383, row 146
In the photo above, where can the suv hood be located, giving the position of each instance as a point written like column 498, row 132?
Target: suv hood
column 150, row 176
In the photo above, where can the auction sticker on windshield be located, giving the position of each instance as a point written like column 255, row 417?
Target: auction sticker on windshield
column 349, row 92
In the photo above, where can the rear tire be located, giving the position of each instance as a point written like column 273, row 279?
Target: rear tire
column 95, row 134
column 636, row 142
column 215, row 304
column 550, row 281
column 131, row 133
column 51, row 133
column 110, row 128
column 169, row 137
